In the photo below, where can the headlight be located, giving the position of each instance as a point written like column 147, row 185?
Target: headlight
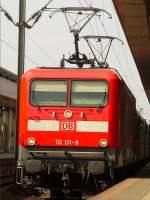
column 31, row 141
column 68, row 114
column 103, row 143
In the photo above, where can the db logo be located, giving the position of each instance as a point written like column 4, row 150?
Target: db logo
column 65, row 126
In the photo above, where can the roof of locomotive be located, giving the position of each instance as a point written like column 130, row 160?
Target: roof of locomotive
column 108, row 74
column 86, row 73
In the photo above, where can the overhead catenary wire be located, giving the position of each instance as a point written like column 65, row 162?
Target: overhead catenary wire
column 119, row 35
column 16, row 50
column 100, row 48
column 41, row 49
column 89, row 4
column 7, row 15
column 39, row 11
column 80, row 3
column 114, row 52
column 35, row 16
column 103, row 26
column 134, row 87
column 99, row 45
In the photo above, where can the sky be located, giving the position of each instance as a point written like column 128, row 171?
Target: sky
column 50, row 38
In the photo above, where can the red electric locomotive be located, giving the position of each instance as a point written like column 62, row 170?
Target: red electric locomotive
column 74, row 122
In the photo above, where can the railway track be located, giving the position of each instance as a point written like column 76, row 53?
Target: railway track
column 7, row 171
column 18, row 193
column 15, row 195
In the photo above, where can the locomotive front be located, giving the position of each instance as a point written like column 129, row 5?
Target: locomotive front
column 67, row 123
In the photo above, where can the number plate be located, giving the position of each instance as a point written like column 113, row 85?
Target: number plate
column 67, row 126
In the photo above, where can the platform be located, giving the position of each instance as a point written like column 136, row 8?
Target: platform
column 134, row 188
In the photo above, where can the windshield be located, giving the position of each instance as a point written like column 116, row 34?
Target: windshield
column 89, row 93
column 49, row 93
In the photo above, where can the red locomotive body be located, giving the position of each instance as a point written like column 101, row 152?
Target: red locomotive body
column 75, row 115
column 47, row 123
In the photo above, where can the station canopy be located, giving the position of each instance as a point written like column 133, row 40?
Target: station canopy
column 134, row 16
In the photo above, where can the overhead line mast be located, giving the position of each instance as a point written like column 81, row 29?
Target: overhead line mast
column 21, row 54
column 22, row 24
